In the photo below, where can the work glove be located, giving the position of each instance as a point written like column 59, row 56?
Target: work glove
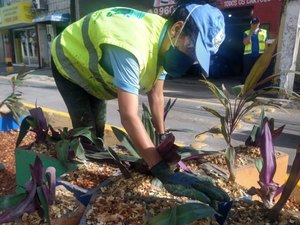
column 183, row 184
column 168, row 150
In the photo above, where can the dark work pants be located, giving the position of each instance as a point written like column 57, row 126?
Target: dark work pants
column 248, row 62
column 85, row 110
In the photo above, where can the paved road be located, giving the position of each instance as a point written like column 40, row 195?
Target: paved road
column 187, row 112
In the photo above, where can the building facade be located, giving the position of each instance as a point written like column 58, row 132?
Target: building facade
column 27, row 29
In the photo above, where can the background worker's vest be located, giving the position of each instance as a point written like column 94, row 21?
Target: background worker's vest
column 77, row 50
column 262, row 37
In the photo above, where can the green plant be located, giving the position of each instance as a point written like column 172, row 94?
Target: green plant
column 13, row 100
column 245, row 98
column 68, row 142
column 183, row 214
column 39, row 194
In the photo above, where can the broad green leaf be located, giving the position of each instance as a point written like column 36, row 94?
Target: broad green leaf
column 44, row 203
column 125, row 141
column 77, row 147
column 80, row 131
column 212, row 111
column 24, row 128
column 259, row 68
column 62, row 149
column 253, row 134
column 230, row 158
column 9, row 201
column 121, row 166
column 259, row 164
column 168, row 107
column 147, row 122
column 183, row 214
column 226, row 93
column 107, row 155
column 224, row 130
column 216, row 91
column 237, row 90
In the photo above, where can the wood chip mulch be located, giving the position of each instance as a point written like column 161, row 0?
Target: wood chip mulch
column 7, row 158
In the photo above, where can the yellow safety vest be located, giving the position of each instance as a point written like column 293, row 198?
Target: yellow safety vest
column 262, row 37
column 77, row 50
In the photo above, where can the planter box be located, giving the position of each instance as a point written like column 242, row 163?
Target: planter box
column 248, row 175
column 81, row 194
column 8, row 123
column 26, row 157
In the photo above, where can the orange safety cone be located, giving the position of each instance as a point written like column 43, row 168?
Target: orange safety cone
column 9, row 66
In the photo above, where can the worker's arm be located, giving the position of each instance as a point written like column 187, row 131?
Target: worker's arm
column 128, row 107
column 247, row 39
column 156, row 103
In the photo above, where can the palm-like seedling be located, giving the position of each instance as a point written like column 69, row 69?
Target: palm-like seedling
column 13, row 100
column 244, row 99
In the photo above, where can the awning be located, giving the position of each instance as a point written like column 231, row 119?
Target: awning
column 54, row 17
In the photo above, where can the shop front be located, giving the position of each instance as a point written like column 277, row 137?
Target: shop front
column 19, row 34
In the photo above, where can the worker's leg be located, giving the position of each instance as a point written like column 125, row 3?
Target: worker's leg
column 248, row 62
column 76, row 99
column 98, row 108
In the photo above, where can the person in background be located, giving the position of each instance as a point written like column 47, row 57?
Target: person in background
column 118, row 53
column 255, row 43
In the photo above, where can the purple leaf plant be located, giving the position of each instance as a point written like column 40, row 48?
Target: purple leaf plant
column 288, row 188
column 40, row 193
column 268, row 188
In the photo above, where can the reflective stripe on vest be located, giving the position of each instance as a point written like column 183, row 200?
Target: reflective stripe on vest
column 262, row 36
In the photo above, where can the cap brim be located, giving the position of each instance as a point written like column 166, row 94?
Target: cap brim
column 203, row 55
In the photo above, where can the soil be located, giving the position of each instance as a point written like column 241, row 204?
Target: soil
column 7, row 158
column 91, row 174
column 136, row 200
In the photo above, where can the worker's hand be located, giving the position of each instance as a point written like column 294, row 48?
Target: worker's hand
column 183, row 184
column 168, row 150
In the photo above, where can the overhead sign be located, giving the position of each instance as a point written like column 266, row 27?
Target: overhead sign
column 241, row 3
column 162, row 7
column 16, row 13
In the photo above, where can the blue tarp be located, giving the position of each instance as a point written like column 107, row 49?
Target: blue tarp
column 54, row 17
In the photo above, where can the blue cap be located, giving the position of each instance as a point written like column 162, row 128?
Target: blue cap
column 211, row 25
column 254, row 20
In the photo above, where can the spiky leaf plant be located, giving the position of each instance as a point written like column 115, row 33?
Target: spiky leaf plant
column 39, row 194
column 244, row 99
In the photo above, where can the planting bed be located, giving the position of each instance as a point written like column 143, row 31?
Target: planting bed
column 134, row 200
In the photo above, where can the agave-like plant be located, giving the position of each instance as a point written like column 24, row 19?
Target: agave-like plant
column 244, row 100
column 39, row 194
column 13, row 100
column 69, row 143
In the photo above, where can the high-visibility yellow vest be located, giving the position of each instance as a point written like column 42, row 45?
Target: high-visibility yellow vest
column 77, row 50
column 262, row 37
